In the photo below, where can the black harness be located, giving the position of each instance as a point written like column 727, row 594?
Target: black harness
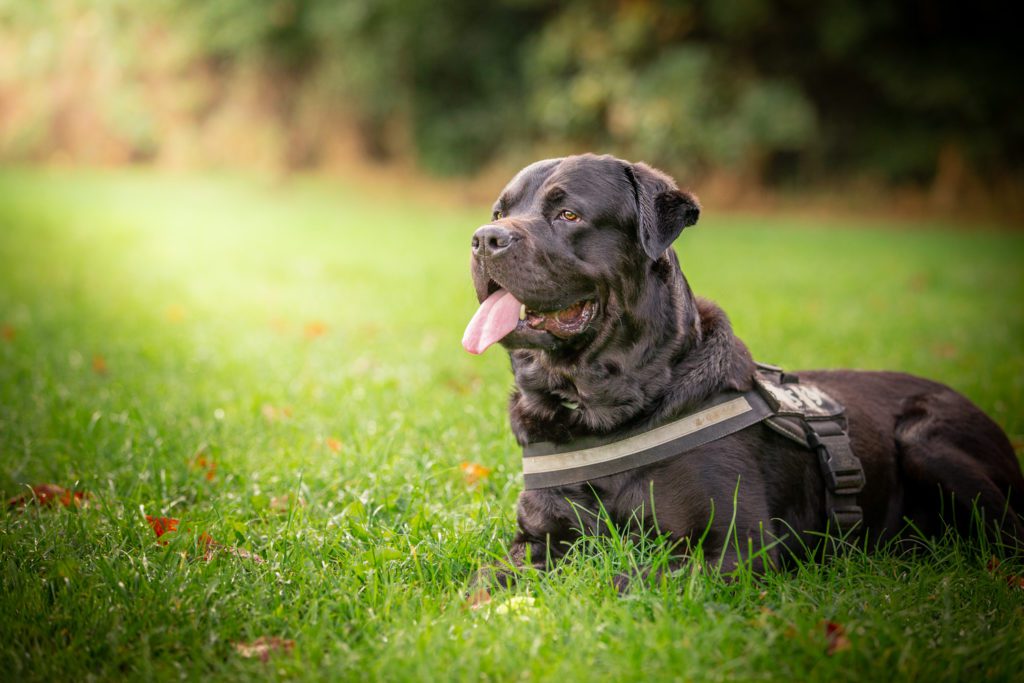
column 802, row 413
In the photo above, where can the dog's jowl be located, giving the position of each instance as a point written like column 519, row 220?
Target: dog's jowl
column 634, row 397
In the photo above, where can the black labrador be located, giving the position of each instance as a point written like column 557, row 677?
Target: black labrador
column 577, row 280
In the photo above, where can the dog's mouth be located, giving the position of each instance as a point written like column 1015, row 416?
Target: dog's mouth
column 501, row 314
column 564, row 323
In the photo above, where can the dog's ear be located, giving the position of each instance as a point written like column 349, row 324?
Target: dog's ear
column 662, row 209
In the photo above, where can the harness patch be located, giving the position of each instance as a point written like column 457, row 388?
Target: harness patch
column 794, row 399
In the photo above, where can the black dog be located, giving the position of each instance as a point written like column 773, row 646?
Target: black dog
column 576, row 278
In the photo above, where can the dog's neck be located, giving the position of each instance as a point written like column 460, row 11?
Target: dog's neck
column 666, row 352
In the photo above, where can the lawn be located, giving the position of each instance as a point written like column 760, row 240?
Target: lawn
column 278, row 367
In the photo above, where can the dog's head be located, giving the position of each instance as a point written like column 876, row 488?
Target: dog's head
column 565, row 234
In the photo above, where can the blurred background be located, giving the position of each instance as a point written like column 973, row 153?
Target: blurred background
column 867, row 103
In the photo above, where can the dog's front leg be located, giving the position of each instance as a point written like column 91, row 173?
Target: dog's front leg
column 549, row 522
column 525, row 552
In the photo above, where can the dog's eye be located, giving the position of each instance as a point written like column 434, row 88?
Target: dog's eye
column 498, row 215
column 570, row 216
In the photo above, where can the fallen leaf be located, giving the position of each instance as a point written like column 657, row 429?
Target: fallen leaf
column 283, row 504
column 264, row 646
column 99, row 364
column 175, row 313
column 464, row 385
column 837, row 639
column 48, row 494
column 272, row 413
column 333, row 444
column 205, row 463
column 474, row 473
column 918, row 282
column 7, row 332
column 1012, row 580
column 165, row 525
column 162, row 525
column 478, row 598
column 764, row 616
column 314, row 329
column 212, row 547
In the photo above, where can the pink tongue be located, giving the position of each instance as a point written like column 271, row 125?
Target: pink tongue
column 495, row 318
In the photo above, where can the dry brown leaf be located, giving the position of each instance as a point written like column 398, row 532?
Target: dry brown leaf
column 283, row 504
column 837, row 638
column 205, row 463
column 273, row 413
column 264, row 646
column 175, row 313
column 49, row 494
column 478, row 599
column 213, row 547
column 464, row 386
column 314, row 329
column 1012, row 580
column 162, row 525
column 209, row 547
column 474, row 473
column 919, row 282
column 242, row 553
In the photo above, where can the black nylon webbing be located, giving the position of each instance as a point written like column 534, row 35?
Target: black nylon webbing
column 602, row 457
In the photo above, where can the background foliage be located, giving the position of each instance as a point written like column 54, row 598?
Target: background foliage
column 765, row 91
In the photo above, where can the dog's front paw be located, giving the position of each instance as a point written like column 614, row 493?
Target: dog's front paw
column 622, row 582
column 494, row 578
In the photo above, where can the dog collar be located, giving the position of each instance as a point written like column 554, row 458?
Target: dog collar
column 546, row 464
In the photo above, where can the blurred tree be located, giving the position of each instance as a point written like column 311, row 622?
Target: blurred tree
column 771, row 91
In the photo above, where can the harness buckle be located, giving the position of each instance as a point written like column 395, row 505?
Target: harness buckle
column 841, row 468
column 842, row 471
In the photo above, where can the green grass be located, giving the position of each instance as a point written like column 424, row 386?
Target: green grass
column 197, row 293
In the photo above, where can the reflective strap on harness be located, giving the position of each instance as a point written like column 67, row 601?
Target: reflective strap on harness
column 842, row 471
column 803, row 413
column 547, row 464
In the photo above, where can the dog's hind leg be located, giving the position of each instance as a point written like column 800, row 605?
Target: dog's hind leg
column 958, row 464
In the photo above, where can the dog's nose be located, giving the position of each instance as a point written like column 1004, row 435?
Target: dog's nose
column 491, row 240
